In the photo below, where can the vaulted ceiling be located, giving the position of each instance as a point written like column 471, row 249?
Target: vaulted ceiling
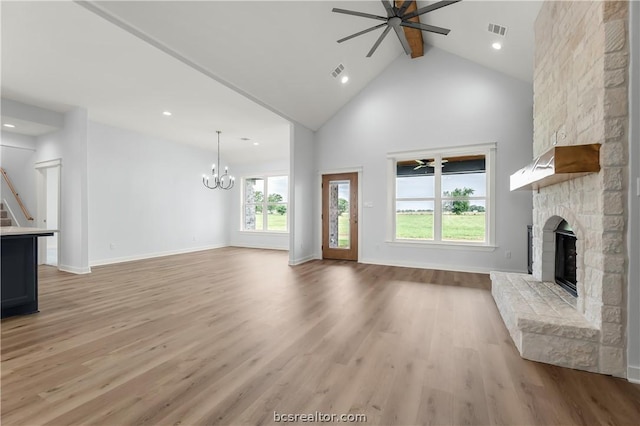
column 243, row 67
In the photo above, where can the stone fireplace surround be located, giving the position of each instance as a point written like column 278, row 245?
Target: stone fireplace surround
column 580, row 97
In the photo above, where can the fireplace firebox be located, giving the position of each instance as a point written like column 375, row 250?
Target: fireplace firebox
column 530, row 249
column 566, row 258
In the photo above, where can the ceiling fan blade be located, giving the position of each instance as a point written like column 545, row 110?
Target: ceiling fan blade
column 377, row 43
column 364, row 15
column 362, row 32
column 403, row 39
column 419, row 167
column 420, row 162
column 387, row 5
column 429, row 8
column 425, row 27
column 404, row 7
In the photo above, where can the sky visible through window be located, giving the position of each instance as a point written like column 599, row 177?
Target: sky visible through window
column 424, row 187
column 279, row 185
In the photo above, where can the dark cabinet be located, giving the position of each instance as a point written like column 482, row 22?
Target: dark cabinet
column 20, row 274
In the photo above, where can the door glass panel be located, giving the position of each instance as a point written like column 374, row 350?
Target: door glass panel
column 339, row 214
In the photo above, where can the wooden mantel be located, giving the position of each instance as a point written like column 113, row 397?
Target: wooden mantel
column 558, row 164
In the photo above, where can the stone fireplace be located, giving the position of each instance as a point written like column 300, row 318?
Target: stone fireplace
column 580, row 97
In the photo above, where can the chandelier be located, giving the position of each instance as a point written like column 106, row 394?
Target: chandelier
column 225, row 181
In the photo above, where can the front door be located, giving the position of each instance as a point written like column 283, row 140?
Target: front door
column 340, row 216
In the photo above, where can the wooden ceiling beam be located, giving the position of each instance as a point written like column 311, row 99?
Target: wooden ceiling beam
column 414, row 36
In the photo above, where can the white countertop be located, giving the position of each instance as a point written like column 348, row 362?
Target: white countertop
column 19, row 230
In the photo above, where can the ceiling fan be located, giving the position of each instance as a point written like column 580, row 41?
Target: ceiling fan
column 424, row 163
column 397, row 17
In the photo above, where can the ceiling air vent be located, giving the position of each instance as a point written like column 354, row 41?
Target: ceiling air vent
column 337, row 71
column 498, row 29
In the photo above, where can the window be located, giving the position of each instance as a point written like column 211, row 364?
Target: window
column 443, row 197
column 265, row 213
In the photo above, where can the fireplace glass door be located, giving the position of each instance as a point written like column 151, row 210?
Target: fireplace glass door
column 566, row 258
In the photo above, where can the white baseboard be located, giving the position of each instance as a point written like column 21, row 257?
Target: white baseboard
column 74, row 270
column 424, row 265
column 633, row 374
column 154, row 255
column 301, row 260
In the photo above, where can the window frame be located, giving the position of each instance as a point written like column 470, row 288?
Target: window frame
column 265, row 204
column 488, row 150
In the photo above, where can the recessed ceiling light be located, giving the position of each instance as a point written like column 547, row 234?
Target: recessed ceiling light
column 11, row 126
column 344, row 79
column 256, row 143
column 496, row 45
column 167, row 113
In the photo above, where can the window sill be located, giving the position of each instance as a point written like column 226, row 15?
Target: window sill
column 264, row 232
column 442, row 245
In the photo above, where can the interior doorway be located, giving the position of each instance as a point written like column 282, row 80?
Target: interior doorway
column 48, row 210
column 340, row 216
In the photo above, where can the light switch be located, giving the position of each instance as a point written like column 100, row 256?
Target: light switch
column 368, row 204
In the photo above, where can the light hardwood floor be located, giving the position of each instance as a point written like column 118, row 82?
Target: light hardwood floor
column 229, row 336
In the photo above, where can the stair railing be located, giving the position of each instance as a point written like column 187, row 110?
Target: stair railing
column 15, row 194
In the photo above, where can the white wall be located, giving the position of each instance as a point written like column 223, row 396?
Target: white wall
column 146, row 197
column 255, row 239
column 16, row 157
column 303, row 172
column 70, row 145
column 633, row 329
column 74, row 223
column 439, row 100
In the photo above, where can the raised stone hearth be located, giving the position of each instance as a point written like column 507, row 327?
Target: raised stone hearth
column 543, row 322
